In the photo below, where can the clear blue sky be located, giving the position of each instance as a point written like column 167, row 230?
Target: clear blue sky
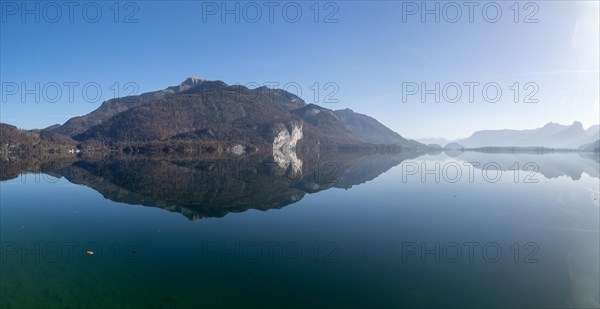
column 369, row 53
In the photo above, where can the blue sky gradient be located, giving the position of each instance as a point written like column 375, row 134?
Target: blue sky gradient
column 369, row 53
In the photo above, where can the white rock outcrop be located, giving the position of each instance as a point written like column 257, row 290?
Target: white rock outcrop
column 238, row 150
column 284, row 148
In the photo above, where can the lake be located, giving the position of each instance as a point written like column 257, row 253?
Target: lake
column 462, row 229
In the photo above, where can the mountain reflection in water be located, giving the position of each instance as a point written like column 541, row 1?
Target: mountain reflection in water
column 213, row 188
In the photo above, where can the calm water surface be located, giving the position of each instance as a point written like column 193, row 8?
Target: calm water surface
column 436, row 230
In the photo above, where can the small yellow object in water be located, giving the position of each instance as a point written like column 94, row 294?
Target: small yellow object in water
column 90, row 252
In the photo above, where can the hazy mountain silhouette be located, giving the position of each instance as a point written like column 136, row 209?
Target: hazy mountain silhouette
column 454, row 146
column 591, row 147
column 552, row 135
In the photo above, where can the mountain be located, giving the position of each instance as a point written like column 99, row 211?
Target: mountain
column 592, row 147
column 370, row 130
column 80, row 124
column 13, row 139
column 221, row 116
column 552, row 135
column 52, row 127
column 326, row 124
column 190, row 111
column 454, row 146
column 433, row 140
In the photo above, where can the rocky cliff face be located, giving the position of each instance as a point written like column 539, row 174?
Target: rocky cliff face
column 284, row 148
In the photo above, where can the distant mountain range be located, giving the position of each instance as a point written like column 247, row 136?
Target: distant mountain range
column 211, row 116
column 552, row 135
column 594, row 146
